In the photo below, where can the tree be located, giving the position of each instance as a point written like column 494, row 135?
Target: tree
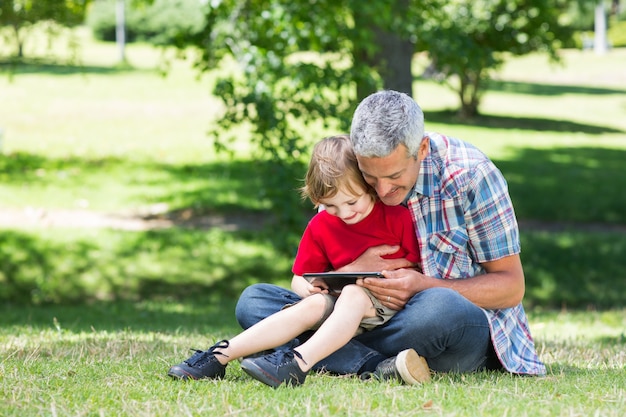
column 469, row 40
column 20, row 15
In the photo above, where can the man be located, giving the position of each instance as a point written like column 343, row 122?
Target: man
column 463, row 311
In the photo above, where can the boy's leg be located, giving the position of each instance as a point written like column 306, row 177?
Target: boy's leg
column 351, row 307
column 274, row 330
column 279, row 328
column 291, row 366
column 261, row 300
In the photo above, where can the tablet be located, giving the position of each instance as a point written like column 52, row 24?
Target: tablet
column 337, row 280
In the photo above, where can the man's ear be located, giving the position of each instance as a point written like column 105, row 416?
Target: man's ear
column 424, row 148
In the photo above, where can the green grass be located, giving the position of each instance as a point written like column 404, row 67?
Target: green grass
column 111, row 359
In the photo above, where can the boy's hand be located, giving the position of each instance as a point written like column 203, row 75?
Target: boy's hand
column 317, row 286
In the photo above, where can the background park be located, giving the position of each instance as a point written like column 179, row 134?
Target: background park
column 144, row 184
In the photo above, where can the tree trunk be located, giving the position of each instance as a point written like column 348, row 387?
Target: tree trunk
column 120, row 29
column 395, row 57
column 391, row 58
column 469, row 93
column 19, row 42
column 600, row 41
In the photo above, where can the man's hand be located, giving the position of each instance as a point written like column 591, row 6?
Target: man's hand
column 397, row 288
column 372, row 260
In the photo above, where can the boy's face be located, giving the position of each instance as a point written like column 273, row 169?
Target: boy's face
column 394, row 175
column 350, row 208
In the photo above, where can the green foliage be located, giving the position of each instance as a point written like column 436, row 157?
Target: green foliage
column 581, row 14
column 18, row 13
column 162, row 22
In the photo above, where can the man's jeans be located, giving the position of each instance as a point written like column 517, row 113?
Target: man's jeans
column 450, row 332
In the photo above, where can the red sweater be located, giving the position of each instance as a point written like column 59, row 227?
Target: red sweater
column 328, row 243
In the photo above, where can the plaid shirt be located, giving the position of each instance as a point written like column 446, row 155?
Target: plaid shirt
column 464, row 217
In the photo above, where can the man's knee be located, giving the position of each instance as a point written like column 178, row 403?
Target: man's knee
column 247, row 308
column 439, row 295
column 444, row 304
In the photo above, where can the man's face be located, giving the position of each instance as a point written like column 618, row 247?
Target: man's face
column 394, row 175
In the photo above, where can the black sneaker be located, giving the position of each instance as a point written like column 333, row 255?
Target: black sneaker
column 407, row 367
column 276, row 368
column 202, row 364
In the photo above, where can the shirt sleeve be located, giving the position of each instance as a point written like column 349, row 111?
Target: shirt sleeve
column 310, row 257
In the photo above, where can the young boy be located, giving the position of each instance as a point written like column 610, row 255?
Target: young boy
column 352, row 221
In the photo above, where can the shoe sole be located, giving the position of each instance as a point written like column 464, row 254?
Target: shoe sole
column 412, row 368
column 259, row 374
column 178, row 373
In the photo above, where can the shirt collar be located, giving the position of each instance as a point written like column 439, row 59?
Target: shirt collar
column 433, row 170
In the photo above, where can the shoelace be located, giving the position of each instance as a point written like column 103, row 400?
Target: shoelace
column 283, row 357
column 202, row 356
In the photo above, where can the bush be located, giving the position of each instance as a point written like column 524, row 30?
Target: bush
column 161, row 23
column 617, row 33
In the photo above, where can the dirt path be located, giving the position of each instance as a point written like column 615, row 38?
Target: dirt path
column 31, row 218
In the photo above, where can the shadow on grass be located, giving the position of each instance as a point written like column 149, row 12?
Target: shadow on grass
column 575, row 266
column 210, row 315
column 450, row 117
column 574, row 269
column 197, row 189
column 170, row 264
column 536, row 89
column 16, row 67
column 579, row 184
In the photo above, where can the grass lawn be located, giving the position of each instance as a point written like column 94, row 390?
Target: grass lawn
column 111, row 359
column 92, row 318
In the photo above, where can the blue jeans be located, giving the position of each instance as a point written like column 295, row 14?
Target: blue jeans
column 445, row 328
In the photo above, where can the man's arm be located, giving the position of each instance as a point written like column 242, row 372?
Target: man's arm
column 501, row 286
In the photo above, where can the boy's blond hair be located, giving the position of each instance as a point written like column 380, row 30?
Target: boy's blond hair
column 333, row 165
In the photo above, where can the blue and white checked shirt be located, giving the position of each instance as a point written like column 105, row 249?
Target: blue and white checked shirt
column 464, row 217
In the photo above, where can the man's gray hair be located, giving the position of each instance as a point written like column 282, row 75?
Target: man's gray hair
column 384, row 120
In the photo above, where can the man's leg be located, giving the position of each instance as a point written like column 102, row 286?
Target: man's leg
column 450, row 332
column 261, row 300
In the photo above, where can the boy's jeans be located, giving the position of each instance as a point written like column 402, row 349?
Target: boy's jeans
column 450, row 332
